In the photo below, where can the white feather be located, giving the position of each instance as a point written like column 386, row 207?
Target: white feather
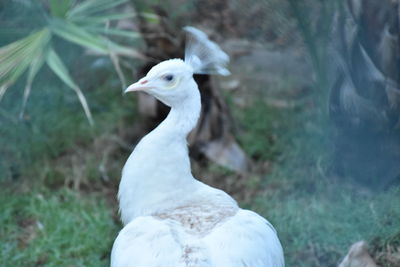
column 242, row 240
column 203, row 55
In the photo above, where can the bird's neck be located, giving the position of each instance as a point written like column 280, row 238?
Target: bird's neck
column 181, row 119
column 158, row 175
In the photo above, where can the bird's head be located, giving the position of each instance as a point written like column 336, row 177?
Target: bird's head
column 170, row 81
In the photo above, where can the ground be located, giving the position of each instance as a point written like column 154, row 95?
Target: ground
column 60, row 208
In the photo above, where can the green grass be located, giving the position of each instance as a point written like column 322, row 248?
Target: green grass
column 318, row 216
column 317, row 228
column 55, row 228
column 43, row 221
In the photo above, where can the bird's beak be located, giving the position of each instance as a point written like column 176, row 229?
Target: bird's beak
column 140, row 85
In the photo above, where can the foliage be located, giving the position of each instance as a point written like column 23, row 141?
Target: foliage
column 365, row 96
column 315, row 20
column 317, row 215
column 86, row 24
column 54, row 128
column 353, row 46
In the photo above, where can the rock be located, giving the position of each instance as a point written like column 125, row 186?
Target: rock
column 358, row 256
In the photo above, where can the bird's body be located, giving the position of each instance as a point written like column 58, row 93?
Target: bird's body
column 198, row 236
column 170, row 218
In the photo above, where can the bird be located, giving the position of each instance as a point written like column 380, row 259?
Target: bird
column 170, row 218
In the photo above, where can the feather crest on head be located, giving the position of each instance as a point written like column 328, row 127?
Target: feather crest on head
column 203, row 55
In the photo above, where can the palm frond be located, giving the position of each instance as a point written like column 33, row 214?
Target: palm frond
column 98, row 43
column 85, row 24
column 59, row 8
column 90, row 7
column 115, row 32
column 3, row 89
column 100, row 19
column 117, row 66
column 16, row 57
column 58, row 67
column 78, row 35
column 34, row 68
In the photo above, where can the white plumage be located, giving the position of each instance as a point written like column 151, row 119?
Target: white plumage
column 170, row 218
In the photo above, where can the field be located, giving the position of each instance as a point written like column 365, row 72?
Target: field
column 59, row 175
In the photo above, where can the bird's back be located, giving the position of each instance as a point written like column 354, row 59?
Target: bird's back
column 246, row 240
column 198, row 235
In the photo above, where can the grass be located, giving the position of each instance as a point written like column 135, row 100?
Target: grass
column 317, row 227
column 53, row 228
column 317, row 215
column 59, row 209
column 56, row 209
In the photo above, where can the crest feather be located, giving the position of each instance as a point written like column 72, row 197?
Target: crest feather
column 203, row 55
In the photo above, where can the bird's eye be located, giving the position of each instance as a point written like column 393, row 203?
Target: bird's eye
column 170, row 81
column 168, row 77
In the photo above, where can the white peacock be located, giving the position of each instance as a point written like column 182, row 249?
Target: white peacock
column 170, row 218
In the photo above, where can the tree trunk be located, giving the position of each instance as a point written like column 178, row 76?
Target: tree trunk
column 365, row 98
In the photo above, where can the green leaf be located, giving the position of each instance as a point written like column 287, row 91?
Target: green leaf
column 95, row 42
column 59, row 8
column 58, row 67
column 34, row 68
column 3, row 89
column 84, row 20
column 117, row 66
column 16, row 57
column 123, row 33
column 150, row 17
column 125, row 51
column 78, row 35
column 89, row 7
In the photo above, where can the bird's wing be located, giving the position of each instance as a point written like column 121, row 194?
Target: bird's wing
column 245, row 240
column 146, row 241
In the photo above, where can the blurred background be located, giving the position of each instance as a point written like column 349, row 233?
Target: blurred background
column 306, row 130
